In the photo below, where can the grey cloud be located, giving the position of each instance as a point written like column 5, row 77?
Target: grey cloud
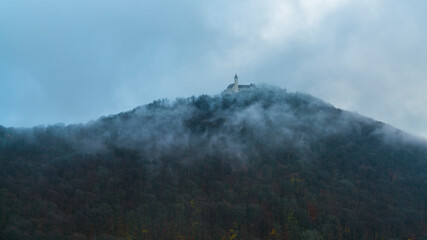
column 74, row 61
column 363, row 60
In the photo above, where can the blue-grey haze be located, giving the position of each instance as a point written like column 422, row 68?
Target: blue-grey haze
column 73, row 61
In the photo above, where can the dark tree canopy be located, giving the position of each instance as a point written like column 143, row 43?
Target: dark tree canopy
column 260, row 164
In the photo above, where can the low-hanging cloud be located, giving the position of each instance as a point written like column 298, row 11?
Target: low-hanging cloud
column 235, row 129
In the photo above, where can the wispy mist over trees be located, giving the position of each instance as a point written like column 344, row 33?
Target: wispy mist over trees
column 260, row 164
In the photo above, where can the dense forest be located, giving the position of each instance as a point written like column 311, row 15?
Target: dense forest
column 259, row 164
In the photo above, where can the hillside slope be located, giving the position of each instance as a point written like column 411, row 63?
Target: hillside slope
column 260, row 164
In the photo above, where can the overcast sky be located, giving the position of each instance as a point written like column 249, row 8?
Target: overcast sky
column 73, row 61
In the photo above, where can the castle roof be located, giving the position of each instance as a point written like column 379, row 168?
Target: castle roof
column 241, row 86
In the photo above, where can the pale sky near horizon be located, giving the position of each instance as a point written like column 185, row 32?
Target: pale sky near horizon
column 74, row 61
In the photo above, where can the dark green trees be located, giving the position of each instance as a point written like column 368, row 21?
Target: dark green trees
column 261, row 164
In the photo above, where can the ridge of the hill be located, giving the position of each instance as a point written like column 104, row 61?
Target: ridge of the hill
column 258, row 164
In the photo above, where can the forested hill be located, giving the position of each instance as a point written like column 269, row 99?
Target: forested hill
column 259, row 164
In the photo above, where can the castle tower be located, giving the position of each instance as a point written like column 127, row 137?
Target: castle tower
column 236, row 83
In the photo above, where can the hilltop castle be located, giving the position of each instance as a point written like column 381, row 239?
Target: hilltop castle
column 234, row 88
